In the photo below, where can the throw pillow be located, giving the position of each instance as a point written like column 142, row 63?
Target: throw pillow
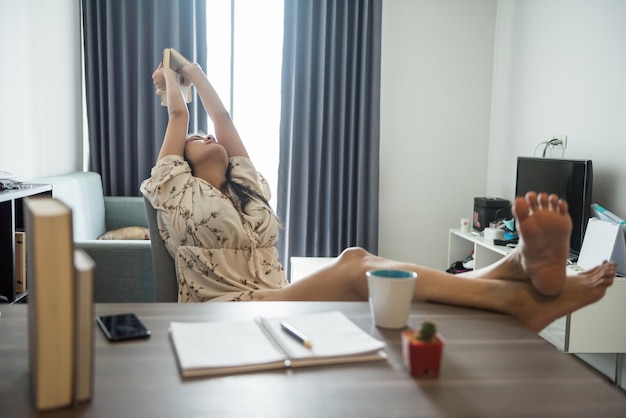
column 128, row 233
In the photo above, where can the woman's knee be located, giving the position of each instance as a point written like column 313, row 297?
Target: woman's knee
column 355, row 261
column 353, row 253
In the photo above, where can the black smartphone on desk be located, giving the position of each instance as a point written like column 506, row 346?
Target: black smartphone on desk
column 122, row 327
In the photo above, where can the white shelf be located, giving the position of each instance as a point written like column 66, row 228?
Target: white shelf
column 462, row 244
column 588, row 330
column 592, row 331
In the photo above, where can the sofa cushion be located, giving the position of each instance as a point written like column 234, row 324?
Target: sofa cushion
column 126, row 233
column 81, row 191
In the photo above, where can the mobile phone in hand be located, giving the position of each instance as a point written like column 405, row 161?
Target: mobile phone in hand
column 122, row 327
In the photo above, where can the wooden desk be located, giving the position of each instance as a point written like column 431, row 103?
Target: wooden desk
column 492, row 367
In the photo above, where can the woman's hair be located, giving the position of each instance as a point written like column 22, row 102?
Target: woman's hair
column 244, row 193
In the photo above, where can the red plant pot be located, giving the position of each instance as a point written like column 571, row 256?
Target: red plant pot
column 422, row 358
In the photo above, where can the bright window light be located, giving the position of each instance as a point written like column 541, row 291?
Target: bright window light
column 249, row 83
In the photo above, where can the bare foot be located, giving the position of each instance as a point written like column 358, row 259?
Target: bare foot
column 544, row 226
column 538, row 311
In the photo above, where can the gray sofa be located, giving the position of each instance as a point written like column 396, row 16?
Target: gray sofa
column 124, row 271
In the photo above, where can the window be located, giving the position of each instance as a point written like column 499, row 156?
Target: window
column 245, row 39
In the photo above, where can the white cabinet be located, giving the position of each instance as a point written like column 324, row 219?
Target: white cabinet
column 303, row 266
column 597, row 330
column 462, row 244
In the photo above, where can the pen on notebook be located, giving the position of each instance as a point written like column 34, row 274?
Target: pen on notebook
column 297, row 335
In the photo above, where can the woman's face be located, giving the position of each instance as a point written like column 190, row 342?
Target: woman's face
column 200, row 150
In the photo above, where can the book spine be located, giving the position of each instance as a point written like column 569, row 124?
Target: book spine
column 84, row 326
column 50, row 301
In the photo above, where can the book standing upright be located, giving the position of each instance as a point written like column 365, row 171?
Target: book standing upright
column 60, row 307
column 50, row 250
column 85, row 323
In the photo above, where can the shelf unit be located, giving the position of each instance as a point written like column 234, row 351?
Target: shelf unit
column 11, row 220
column 594, row 330
column 462, row 244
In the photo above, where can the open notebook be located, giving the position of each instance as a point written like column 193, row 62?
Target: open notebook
column 211, row 348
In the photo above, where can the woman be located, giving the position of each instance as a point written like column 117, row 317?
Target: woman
column 213, row 215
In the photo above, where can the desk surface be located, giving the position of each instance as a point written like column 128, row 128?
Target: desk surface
column 492, row 366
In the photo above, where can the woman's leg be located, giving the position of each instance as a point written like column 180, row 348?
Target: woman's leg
column 345, row 280
column 544, row 236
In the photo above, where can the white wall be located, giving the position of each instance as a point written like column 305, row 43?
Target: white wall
column 40, row 87
column 437, row 59
column 560, row 68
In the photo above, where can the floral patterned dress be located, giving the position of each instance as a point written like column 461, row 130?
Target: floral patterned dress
column 221, row 253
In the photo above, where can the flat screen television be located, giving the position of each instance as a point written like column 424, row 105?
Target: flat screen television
column 571, row 180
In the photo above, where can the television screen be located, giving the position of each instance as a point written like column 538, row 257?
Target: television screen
column 571, row 180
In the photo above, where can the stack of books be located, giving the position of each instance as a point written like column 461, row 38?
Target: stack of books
column 60, row 307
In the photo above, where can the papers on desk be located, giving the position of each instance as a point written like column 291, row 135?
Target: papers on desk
column 603, row 240
column 212, row 348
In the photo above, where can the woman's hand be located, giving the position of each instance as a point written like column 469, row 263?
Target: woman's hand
column 159, row 78
column 188, row 72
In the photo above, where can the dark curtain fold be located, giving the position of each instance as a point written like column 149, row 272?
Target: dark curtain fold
column 330, row 126
column 123, row 44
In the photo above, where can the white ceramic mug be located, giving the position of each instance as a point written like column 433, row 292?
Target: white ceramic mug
column 390, row 296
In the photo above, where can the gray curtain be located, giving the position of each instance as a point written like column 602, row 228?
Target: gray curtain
column 329, row 132
column 123, row 44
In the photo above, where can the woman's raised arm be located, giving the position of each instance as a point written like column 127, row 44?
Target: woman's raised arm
column 225, row 130
column 178, row 121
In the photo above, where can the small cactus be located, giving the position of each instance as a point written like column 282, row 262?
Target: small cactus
column 427, row 331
